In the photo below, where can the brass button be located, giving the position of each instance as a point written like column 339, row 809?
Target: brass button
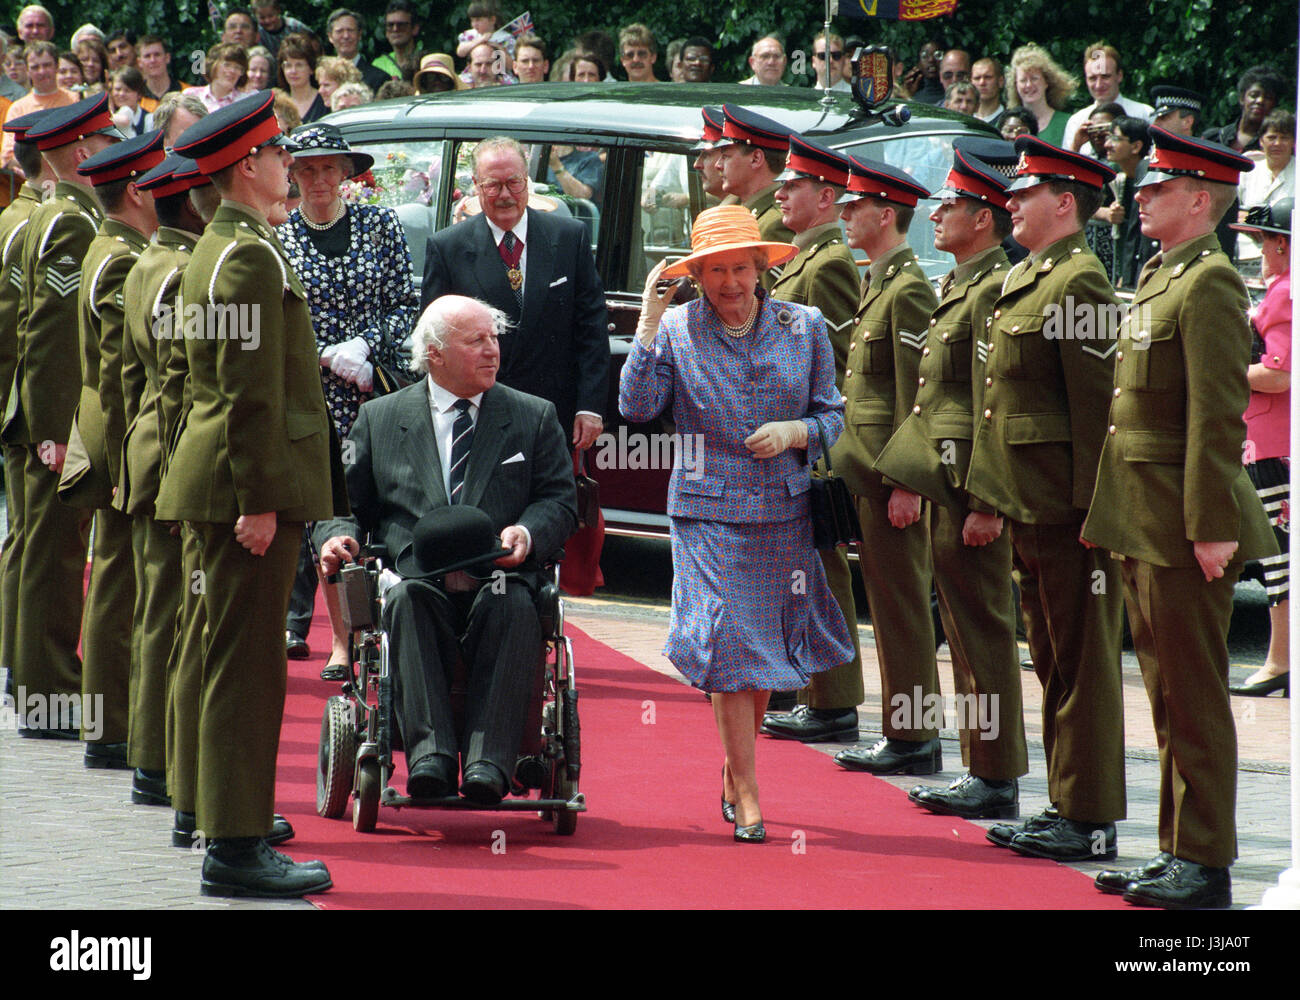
column 1016, row 328
column 1110, row 429
column 988, row 381
column 991, row 346
column 997, row 313
column 916, row 408
column 921, row 380
column 944, row 338
column 933, row 321
column 1119, row 355
column 988, row 414
column 848, row 372
column 1116, row 392
column 925, row 352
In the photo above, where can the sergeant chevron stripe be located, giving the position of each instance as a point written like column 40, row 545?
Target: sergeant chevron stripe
column 63, row 284
column 913, row 340
column 982, row 350
column 1103, row 354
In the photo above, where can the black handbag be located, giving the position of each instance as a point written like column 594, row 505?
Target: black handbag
column 834, row 514
column 387, row 380
column 588, row 491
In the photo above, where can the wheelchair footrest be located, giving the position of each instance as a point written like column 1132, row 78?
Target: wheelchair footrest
column 391, row 797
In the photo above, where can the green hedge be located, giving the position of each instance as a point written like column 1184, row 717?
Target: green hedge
column 1202, row 44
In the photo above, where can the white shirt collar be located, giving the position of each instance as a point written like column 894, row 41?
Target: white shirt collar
column 444, row 400
column 520, row 230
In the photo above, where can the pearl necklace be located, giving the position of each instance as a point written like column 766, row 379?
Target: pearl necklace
column 745, row 327
column 321, row 226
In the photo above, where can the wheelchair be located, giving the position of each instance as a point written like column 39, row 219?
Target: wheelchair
column 359, row 736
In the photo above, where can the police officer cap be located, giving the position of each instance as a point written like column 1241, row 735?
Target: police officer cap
column 971, row 177
column 813, row 160
column 873, row 179
column 174, row 175
column 128, row 159
column 744, row 126
column 712, row 115
column 1275, row 218
column 1041, row 162
column 62, row 126
column 225, row 137
column 1166, row 99
column 1174, row 156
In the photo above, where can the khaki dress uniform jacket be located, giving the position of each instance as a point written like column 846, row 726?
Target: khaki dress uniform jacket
column 256, row 440
column 1034, row 460
column 13, row 224
column 879, row 386
column 930, row 455
column 47, row 385
column 91, row 473
column 824, row 274
column 1174, row 444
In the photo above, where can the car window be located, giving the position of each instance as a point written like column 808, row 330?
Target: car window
column 671, row 196
column 407, row 178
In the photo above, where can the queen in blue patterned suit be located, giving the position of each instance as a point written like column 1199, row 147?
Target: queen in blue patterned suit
column 745, row 375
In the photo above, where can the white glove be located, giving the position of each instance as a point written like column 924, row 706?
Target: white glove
column 653, row 306
column 776, row 436
column 348, row 360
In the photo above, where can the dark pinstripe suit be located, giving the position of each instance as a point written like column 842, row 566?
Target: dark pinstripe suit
column 395, row 478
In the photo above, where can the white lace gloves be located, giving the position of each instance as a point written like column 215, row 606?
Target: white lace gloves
column 653, row 306
column 348, row 361
column 775, row 437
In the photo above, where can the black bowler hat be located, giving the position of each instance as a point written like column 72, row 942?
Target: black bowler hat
column 815, row 161
column 971, row 177
column 225, row 137
column 740, row 125
column 1174, row 156
column 1041, row 162
column 450, row 538
column 873, row 179
column 321, row 139
column 999, row 154
column 17, row 127
column 129, row 159
column 1275, row 218
column 1166, row 99
column 712, row 115
column 174, row 175
column 61, row 126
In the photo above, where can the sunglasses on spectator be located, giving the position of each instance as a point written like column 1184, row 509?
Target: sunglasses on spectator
column 515, row 184
column 835, row 54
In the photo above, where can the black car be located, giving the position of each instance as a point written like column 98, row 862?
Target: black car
column 633, row 141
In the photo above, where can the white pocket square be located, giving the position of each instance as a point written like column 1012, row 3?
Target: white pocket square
column 516, row 457
column 559, row 281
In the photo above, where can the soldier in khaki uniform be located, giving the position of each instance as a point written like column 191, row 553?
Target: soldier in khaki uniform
column 822, row 274
column 880, row 382
column 13, row 224
column 250, row 466
column 90, row 476
column 1048, row 379
column 47, row 382
column 751, row 153
column 1174, row 502
column 929, row 455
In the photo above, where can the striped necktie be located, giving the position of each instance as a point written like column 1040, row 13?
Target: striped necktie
column 462, row 436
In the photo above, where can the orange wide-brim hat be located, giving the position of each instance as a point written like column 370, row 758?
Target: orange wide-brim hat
column 727, row 227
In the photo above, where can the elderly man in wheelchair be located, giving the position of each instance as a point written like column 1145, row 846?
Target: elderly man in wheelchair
column 457, row 439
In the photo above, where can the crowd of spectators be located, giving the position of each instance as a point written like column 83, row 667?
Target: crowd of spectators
column 262, row 46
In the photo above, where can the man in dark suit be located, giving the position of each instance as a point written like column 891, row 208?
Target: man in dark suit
column 459, row 438
column 539, row 271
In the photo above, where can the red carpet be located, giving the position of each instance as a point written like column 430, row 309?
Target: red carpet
column 653, row 836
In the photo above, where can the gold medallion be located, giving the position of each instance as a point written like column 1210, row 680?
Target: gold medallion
column 516, row 277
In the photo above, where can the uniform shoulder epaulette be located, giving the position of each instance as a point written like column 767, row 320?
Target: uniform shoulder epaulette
column 58, row 218
column 9, row 243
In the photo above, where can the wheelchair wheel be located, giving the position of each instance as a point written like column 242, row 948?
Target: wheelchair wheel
column 365, row 803
column 563, row 787
column 337, row 758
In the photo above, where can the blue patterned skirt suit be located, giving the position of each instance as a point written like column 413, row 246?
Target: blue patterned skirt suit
column 751, row 608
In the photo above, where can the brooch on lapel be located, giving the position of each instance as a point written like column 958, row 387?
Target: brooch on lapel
column 785, row 317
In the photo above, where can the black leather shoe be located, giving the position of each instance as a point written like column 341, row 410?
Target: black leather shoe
column 1184, row 885
column 334, row 672
column 295, row 647
column 1067, row 840
column 1282, row 682
column 432, row 777
column 1000, row 834
column 183, row 832
column 753, row 834
column 149, row 788
column 483, row 784
column 889, row 756
column 1027, row 665
column 246, row 866
column 813, row 725
column 1116, row 883
column 107, row 756
column 971, row 798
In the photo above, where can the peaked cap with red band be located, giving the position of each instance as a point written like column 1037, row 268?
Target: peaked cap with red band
column 62, row 126
column 815, row 161
column 174, row 175
column 17, row 127
column 971, row 177
column 744, row 126
column 1174, row 156
column 225, row 137
column 1041, row 162
column 712, row 115
column 124, row 160
column 873, row 179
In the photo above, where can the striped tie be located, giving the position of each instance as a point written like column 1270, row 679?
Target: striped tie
column 462, row 436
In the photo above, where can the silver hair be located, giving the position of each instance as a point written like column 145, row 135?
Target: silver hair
column 349, row 89
column 434, row 327
column 498, row 142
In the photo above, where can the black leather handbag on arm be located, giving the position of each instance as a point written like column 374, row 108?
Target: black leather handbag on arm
column 834, row 514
